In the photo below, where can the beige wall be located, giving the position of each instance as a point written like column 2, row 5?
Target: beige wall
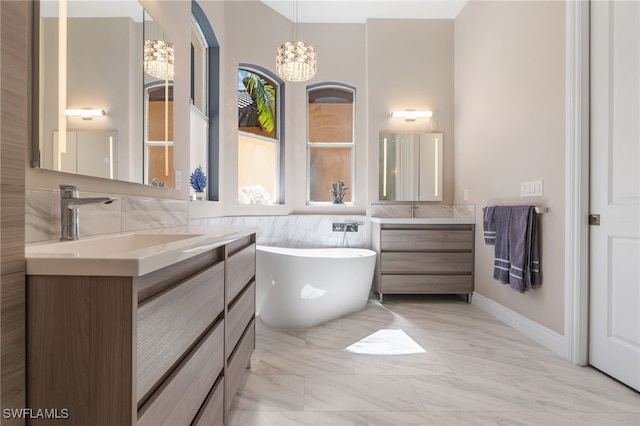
column 510, row 128
column 410, row 66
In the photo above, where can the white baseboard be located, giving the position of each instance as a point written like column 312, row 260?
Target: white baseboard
column 542, row 335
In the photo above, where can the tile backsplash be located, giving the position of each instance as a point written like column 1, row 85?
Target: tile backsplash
column 299, row 231
column 128, row 213
column 131, row 213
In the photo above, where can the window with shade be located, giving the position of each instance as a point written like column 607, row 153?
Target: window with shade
column 260, row 152
column 330, row 143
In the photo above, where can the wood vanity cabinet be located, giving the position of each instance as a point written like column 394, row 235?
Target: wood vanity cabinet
column 169, row 347
column 423, row 259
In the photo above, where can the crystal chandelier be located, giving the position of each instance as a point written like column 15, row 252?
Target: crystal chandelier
column 296, row 60
column 158, row 59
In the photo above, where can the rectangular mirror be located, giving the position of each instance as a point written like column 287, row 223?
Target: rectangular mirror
column 410, row 167
column 89, row 99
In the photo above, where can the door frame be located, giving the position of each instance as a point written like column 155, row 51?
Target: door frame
column 576, row 323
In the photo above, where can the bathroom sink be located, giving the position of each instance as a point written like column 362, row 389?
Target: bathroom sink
column 96, row 247
column 128, row 254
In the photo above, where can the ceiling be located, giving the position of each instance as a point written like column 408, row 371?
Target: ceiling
column 357, row 11
column 312, row 11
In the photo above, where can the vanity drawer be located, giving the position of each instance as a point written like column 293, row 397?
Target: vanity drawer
column 212, row 411
column 426, row 239
column 427, row 284
column 239, row 363
column 426, row 263
column 239, row 315
column 241, row 268
column 180, row 397
column 169, row 323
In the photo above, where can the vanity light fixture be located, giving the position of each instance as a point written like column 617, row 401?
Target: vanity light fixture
column 411, row 115
column 85, row 113
column 296, row 60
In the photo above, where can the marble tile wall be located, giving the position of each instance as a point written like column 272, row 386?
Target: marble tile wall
column 128, row 213
column 131, row 213
column 458, row 211
column 299, row 231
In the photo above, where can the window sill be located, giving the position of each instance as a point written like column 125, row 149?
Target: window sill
column 327, row 204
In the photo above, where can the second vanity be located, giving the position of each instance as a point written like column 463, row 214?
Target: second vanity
column 158, row 329
column 423, row 256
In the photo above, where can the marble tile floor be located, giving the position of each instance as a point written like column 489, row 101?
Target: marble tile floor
column 476, row 371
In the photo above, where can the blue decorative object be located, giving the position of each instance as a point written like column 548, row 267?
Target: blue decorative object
column 198, row 180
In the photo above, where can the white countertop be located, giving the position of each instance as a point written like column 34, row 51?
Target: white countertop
column 423, row 220
column 127, row 254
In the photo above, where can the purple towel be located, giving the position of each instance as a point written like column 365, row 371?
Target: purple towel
column 489, row 226
column 517, row 260
column 519, row 240
column 501, row 265
column 535, row 272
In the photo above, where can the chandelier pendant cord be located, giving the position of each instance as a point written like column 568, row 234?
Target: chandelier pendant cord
column 296, row 60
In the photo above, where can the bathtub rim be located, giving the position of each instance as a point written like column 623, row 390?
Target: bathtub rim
column 319, row 252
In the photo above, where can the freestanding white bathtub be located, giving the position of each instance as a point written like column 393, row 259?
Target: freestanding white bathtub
column 301, row 288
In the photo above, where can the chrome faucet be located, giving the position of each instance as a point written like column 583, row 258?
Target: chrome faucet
column 69, row 205
column 414, row 207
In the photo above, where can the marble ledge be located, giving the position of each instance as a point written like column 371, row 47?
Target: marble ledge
column 422, row 220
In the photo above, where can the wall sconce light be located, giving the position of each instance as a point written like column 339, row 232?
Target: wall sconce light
column 85, row 113
column 411, row 115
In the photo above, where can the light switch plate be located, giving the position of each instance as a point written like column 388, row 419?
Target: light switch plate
column 533, row 188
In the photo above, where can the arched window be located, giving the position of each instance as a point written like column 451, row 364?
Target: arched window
column 260, row 141
column 330, row 143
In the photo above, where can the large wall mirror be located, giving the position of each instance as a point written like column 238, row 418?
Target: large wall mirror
column 410, row 167
column 92, row 99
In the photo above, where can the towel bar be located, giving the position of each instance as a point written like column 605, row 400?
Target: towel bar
column 540, row 209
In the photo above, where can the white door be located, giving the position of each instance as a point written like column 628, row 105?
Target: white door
column 614, row 323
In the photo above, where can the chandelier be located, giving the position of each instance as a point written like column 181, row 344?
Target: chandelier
column 158, row 59
column 296, row 60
